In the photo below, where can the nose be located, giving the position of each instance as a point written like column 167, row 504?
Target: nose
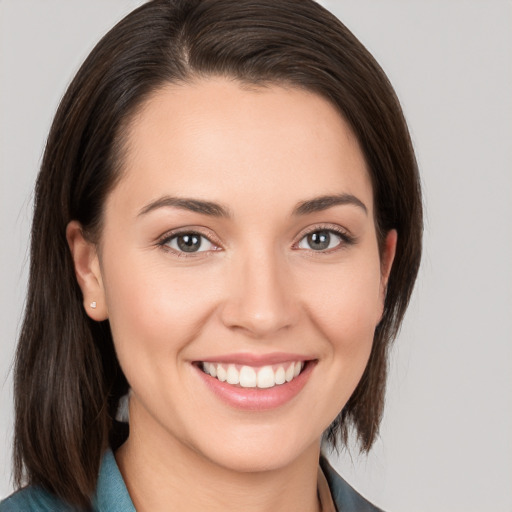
column 261, row 300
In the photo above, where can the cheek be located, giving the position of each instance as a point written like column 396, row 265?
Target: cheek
column 153, row 312
column 345, row 304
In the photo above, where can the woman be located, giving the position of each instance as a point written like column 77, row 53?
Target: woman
column 228, row 226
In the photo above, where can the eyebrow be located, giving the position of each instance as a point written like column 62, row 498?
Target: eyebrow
column 322, row 203
column 212, row 209
column 194, row 205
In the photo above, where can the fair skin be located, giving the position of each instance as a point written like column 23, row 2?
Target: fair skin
column 253, row 290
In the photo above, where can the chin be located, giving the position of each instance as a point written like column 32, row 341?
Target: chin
column 258, row 452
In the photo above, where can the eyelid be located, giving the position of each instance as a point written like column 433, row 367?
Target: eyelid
column 346, row 236
column 165, row 238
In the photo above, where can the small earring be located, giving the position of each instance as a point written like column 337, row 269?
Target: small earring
column 93, row 305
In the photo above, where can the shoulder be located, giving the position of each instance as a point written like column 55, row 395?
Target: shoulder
column 344, row 496
column 34, row 499
column 111, row 494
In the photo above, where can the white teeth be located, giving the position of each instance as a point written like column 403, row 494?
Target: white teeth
column 249, row 377
column 221, row 373
column 233, row 377
column 266, row 377
column 280, row 375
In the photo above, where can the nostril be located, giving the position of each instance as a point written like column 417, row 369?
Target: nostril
column 259, row 297
column 257, row 323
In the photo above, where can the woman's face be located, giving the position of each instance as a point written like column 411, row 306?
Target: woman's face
column 240, row 241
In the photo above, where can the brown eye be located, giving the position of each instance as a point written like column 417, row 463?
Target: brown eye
column 189, row 242
column 320, row 240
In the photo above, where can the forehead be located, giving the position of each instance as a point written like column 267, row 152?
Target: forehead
column 219, row 140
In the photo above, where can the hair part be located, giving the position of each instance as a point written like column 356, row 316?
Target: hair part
column 68, row 381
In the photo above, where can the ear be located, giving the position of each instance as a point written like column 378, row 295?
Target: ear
column 88, row 271
column 386, row 262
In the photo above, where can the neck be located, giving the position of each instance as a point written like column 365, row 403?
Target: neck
column 160, row 476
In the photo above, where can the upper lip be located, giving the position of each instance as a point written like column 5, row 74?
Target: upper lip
column 256, row 359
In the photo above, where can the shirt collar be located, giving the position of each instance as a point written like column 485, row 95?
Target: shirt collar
column 111, row 492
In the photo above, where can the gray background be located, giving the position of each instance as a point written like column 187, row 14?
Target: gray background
column 446, row 441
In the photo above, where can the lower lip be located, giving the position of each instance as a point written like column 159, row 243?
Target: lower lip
column 257, row 399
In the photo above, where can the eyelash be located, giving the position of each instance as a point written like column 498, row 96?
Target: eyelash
column 346, row 239
column 170, row 236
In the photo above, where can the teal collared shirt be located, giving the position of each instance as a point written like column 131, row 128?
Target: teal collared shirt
column 112, row 496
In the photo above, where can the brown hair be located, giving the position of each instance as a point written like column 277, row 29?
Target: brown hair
column 67, row 378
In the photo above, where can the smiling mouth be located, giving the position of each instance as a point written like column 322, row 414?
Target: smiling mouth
column 245, row 376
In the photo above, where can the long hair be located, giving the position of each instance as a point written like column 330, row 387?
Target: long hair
column 68, row 381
